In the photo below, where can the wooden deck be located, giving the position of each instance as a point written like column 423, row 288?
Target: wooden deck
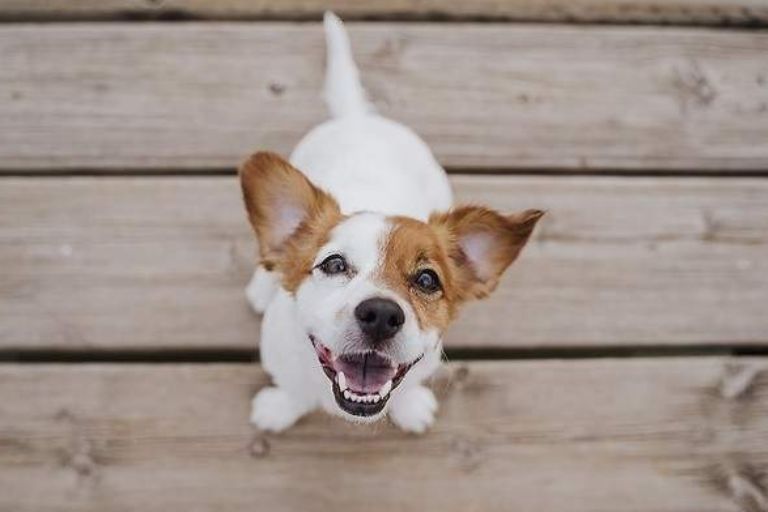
column 622, row 365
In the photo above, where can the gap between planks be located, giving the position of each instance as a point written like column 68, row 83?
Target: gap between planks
column 237, row 355
column 102, row 172
column 735, row 13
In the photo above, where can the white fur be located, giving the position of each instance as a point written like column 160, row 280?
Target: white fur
column 369, row 164
column 343, row 92
column 261, row 289
column 414, row 409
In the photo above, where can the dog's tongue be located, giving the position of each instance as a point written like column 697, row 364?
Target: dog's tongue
column 365, row 373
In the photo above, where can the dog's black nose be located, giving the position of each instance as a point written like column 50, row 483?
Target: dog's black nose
column 379, row 319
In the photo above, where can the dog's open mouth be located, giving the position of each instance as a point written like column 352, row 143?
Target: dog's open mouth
column 362, row 381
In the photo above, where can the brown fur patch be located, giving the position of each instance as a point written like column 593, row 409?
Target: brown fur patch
column 411, row 247
column 437, row 245
column 295, row 263
column 506, row 236
column 270, row 182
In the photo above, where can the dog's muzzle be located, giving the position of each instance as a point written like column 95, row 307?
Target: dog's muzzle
column 362, row 381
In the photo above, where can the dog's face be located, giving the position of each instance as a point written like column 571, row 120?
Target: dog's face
column 373, row 293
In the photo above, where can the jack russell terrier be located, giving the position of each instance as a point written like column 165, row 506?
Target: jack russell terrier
column 364, row 261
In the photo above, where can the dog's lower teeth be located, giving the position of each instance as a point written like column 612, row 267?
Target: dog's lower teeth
column 363, row 399
column 350, row 395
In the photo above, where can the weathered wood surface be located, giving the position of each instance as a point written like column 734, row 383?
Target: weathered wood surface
column 705, row 12
column 668, row 435
column 188, row 96
column 150, row 263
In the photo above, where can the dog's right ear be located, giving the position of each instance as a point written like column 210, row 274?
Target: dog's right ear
column 280, row 201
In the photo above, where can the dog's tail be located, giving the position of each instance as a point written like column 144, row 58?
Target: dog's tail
column 344, row 93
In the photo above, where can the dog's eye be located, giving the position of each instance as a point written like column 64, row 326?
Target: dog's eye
column 427, row 281
column 334, row 264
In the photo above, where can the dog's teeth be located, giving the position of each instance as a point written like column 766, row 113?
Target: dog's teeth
column 386, row 388
column 342, row 379
column 362, row 399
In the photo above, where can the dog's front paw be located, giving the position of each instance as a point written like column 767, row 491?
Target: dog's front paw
column 274, row 410
column 414, row 410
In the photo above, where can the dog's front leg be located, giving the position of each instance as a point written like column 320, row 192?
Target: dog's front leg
column 413, row 410
column 275, row 409
column 287, row 356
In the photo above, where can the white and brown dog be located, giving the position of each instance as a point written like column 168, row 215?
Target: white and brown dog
column 364, row 262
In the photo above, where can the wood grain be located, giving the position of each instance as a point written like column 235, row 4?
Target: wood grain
column 689, row 12
column 602, row 435
column 202, row 95
column 155, row 263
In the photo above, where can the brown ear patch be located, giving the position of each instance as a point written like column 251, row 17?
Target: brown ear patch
column 483, row 243
column 291, row 217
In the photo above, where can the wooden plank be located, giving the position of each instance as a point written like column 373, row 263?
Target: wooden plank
column 190, row 96
column 593, row 435
column 150, row 263
column 703, row 12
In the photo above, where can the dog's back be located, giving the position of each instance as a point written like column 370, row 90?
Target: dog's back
column 367, row 162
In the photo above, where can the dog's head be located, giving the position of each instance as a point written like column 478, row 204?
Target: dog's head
column 373, row 293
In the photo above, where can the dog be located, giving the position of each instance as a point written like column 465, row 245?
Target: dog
column 364, row 261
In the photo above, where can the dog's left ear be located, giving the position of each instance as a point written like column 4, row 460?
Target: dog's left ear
column 483, row 243
column 280, row 201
